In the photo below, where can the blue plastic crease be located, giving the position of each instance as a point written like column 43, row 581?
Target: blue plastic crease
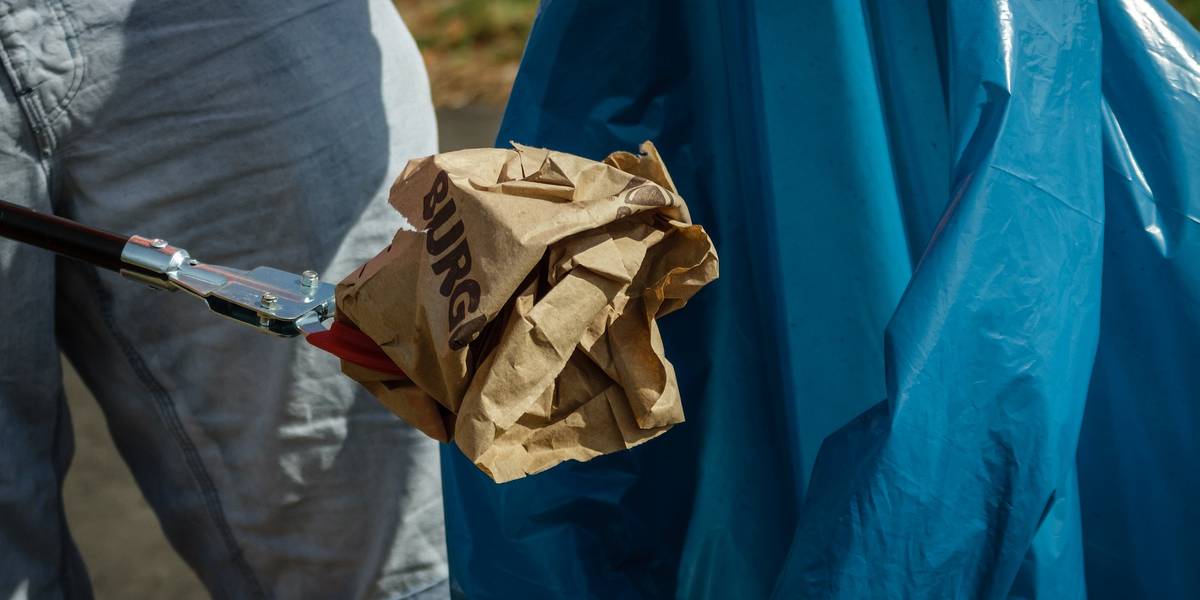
column 955, row 346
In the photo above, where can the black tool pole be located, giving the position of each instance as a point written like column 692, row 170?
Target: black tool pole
column 63, row 236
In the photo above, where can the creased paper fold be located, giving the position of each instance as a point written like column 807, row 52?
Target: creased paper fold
column 522, row 303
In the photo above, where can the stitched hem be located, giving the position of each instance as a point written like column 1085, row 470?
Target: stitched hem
column 78, row 60
column 22, row 95
column 174, row 425
column 40, row 120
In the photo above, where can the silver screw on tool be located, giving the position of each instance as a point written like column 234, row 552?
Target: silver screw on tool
column 158, row 243
column 269, row 300
column 309, row 278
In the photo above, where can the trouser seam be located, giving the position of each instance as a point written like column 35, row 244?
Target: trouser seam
column 78, row 62
column 39, row 120
column 174, row 425
column 25, row 97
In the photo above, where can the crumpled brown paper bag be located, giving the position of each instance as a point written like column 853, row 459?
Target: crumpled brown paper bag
column 522, row 304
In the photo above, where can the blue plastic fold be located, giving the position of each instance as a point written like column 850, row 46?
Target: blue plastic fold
column 955, row 346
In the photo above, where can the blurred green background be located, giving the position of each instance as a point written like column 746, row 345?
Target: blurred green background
column 1190, row 9
column 472, row 47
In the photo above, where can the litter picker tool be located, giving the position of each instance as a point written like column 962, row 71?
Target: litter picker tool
column 270, row 300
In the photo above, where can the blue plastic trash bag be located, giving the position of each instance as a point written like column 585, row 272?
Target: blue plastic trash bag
column 955, row 349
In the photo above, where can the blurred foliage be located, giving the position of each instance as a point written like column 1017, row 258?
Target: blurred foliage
column 472, row 47
column 1190, row 9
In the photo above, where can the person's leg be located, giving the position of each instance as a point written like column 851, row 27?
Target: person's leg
column 37, row 557
column 250, row 133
